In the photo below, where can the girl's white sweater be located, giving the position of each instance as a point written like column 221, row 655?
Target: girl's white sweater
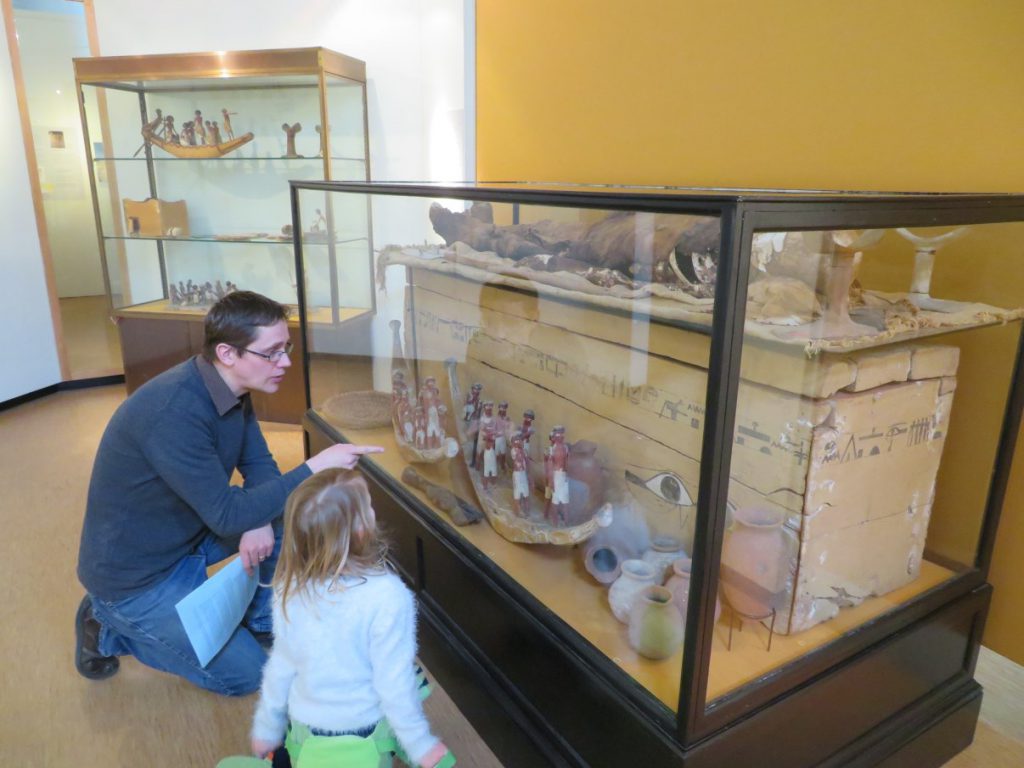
column 344, row 659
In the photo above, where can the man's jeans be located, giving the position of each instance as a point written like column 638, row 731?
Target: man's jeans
column 147, row 626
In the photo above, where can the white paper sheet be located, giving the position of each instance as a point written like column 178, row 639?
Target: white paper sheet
column 212, row 611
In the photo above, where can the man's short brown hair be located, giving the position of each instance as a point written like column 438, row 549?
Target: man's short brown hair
column 236, row 319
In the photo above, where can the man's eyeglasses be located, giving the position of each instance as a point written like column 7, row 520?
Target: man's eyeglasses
column 273, row 357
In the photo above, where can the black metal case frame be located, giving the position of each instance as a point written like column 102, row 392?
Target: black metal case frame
column 897, row 690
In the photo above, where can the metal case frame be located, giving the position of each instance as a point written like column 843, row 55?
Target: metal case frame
column 468, row 638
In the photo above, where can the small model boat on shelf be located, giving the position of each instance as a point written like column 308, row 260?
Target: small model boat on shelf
column 554, row 501
column 199, row 151
column 198, row 140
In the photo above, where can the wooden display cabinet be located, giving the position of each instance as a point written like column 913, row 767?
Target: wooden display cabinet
column 827, row 449
column 189, row 158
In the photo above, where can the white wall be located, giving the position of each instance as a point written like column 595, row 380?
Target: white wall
column 30, row 351
column 419, row 58
column 420, row 114
column 413, row 51
column 63, row 175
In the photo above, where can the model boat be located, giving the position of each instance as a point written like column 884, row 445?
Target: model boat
column 524, row 520
column 196, row 151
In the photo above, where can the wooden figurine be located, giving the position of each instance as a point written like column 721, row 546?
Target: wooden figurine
column 399, row 392
column 289, row 132
column 402, row 414
column 557, row 491
column 527, row 430
column 488, row 454
column 486, row 420
column 430, row 399
column 228, row 131
column 472, row 402
column 420, row 423
column 405, row 418
column 478, row 404
column 199, row 127
column 169, row 133
column 323, row 141
column 520, row 475
column 501, row 428
column 319, row 223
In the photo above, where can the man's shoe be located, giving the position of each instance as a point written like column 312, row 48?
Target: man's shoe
column 88, row 660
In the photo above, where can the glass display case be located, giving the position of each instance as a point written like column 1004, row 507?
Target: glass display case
column 190, row 157
column 677, row 472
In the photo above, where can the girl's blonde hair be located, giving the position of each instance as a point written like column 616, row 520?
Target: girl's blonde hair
column 329, row 531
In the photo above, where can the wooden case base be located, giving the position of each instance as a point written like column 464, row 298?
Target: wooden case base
column 152, row 342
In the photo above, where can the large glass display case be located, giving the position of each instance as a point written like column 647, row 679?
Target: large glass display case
column 190, row 157
column 693, row 477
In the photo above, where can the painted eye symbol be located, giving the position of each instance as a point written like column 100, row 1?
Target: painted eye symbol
column 667, row 486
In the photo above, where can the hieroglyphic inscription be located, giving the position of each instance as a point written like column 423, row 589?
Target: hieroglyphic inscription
column 598, row 376
column 901, row 434
column 451, row 330
column 657, row 401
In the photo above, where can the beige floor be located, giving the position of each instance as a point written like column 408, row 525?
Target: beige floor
column 91, row 341
column 49, row 716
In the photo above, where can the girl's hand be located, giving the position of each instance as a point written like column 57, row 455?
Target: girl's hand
column 262, row 748
column 433, row 757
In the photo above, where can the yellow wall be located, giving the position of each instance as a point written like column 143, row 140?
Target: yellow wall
column 875, row 95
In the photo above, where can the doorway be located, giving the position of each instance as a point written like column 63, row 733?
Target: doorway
column 50, row 33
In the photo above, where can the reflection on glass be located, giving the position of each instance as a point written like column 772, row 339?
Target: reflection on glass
column 925, row 247
column 532, row 403
column 192, row 182
column 538, row 374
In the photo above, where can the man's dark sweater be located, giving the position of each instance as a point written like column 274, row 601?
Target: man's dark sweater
column 161, row 481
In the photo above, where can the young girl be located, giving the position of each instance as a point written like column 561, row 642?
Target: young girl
column 344, row 632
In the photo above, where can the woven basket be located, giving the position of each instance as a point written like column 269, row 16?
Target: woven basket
column 364, row 409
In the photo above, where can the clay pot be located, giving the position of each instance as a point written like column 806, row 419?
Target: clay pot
column 602, row 559
column 655, row 624
column 664, row 551
column 679, row 585
column 635, row 577
column 757, row 558
column 586, row 481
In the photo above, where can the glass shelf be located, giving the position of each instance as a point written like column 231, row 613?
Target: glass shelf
column 282, row 240
column 233, row 158
column 163, row 308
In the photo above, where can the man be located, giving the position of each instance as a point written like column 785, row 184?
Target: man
column 161, row 508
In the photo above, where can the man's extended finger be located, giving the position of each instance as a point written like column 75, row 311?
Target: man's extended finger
column 361, row 449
